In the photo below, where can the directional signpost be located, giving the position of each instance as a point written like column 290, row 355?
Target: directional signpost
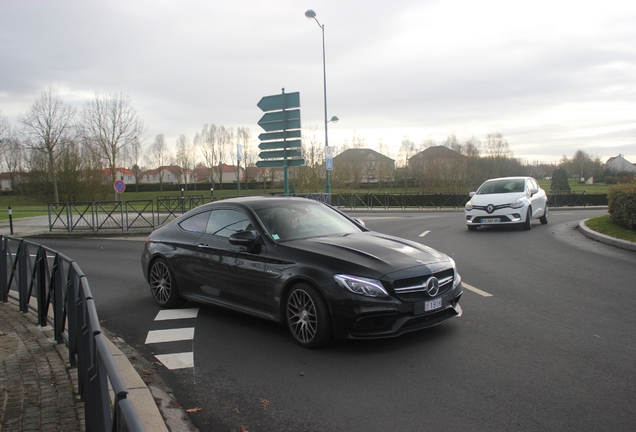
column 281, row 123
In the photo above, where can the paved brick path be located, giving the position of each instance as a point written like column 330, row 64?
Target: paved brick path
column 38, row 388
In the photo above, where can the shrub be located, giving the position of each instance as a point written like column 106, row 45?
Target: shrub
column 621, row 201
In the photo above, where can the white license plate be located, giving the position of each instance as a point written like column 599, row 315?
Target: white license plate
column 491, row 220
column 433, row 304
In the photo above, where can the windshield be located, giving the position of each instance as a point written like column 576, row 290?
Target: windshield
column 502, row 186
column 304, row 220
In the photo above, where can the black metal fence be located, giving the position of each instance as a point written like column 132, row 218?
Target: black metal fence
column 438, row 201
column 143, row 214
column 64, row 301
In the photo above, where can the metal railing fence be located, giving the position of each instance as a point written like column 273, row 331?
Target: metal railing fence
column 143, row 213
column 65, row 302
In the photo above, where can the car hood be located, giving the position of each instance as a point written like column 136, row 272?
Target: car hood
column 496, row 199
column 378, row 252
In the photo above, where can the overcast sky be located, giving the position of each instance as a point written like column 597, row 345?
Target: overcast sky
column 551, row 76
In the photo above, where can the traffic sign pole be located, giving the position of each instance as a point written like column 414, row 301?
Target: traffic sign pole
column 281, row 122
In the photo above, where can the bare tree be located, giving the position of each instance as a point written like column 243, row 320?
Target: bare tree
column 312, row 173
column 158, row 156
column 225, row 137
column 5, row 134
column 133, row 155
column 206, row 142
column 11, row 154
column 48, row 122
column 109, row 124
column 243, row 138
column 497, row 150
column 184, row 157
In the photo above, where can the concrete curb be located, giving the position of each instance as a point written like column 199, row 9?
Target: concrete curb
column 589, row 233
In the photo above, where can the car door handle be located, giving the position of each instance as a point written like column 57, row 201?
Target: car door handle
column 204, row 246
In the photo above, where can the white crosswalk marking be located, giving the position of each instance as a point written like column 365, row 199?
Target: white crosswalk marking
column 177, row 361
column 182, row 360
column 171, row 314
column 170, row 335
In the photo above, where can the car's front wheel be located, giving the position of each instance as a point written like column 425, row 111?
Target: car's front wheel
column 163, row 285
column 527, row 225
column 308, row 317
column 546, row 216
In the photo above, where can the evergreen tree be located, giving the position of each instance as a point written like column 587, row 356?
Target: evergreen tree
column 560, row 181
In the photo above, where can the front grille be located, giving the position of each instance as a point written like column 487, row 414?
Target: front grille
column 414, row 289
column 493, row 208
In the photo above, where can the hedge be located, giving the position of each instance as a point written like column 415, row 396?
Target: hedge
column 621, row 202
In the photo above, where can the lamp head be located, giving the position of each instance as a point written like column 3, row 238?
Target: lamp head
column 310, row 13
column 334, row 119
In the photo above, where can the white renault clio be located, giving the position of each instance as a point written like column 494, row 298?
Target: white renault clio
column 507, row 200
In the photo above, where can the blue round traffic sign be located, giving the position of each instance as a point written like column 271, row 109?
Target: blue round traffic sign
column 119, row 186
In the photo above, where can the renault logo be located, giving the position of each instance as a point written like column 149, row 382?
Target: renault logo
column 490, row 208
column 432, row 286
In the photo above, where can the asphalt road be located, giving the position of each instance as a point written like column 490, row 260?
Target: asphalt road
column 547, row 341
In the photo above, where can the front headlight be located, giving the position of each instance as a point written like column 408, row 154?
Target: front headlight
column 518, row 204
column 469, row 205
column 361, row 286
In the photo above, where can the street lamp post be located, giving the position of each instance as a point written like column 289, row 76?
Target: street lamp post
column 312, row 15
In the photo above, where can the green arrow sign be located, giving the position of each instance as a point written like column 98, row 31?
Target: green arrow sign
column 273, row 145
column 281, row 125
column 280, row 116
column 279, row 135
column 279, row 102
column 278, row 154
column 280, row 163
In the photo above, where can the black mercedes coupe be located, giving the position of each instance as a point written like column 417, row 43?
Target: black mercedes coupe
column 302, row 263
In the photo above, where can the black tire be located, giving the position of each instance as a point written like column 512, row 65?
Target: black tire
column 308, row 317
column 163, row 285
column 546, row 216
column 527, row 225
column 472, row 227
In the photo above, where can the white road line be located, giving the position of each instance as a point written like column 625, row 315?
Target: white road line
column 171, row 335
column 424, row 233
column 476, row 290
column 173, row 314
column 177, row 361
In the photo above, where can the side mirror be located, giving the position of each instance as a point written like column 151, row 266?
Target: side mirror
column 533, row 191
column 359, row 222
column 472, row 194
column 247, row 239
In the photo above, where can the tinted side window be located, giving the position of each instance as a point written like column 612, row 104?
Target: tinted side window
column 224, row 223
column 196, row 223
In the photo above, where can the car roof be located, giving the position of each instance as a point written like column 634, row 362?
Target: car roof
column 509, row 178
column 261, row 201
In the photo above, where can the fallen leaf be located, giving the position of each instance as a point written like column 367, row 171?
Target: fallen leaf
column 194, row 410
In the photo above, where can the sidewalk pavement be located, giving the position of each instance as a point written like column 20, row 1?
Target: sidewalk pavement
column 39, row 388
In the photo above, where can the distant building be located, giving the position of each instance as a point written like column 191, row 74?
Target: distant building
column 620, row 164
column 123, row 174
column 168, row 174
column 5, row 181
column 438, row 155
column 229, row 174
column 363, row 165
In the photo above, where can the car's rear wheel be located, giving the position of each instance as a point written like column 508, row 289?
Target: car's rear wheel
column 308, row 317
column 546, row 216
column 527, row 225
column 163, row 285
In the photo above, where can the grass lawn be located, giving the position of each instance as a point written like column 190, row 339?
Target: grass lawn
column 604, row 225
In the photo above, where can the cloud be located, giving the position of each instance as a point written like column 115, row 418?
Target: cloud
column 552, row 77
